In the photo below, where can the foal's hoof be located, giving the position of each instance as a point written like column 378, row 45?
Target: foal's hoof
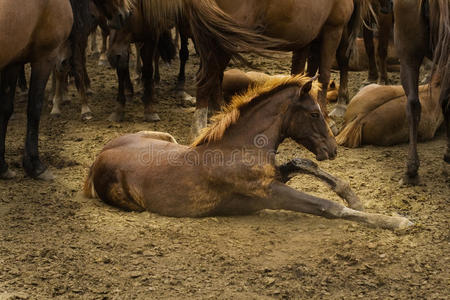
column 338, row 111
column 8, row 175
column 47, row 175
column 86, row 116
column 152, row 117
column 56, row 112
column 410, row 181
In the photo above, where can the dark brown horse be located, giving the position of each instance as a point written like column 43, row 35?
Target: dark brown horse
column 230, row 169
column 34, row 32
column 422, row 28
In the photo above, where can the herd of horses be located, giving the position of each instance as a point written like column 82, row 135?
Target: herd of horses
column 52, row 36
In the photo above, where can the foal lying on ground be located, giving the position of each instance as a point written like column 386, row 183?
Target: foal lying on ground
column 230, row 169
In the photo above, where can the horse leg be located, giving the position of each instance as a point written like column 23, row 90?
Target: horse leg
column 313, row 59
column 445, row 103
column 287, row 198
column 138, row 64
column 79, row 62
column 186, row 99
column 94, row 46
column 22, row 81
column 157, row 77
column 306, row 166
column 370, row 50
column 8, row 80
column 40, row 72
column 60, row 80
column 125, row 87
column 147, row 54
column 103, row 59
column 331, row 38
column 343, row 58
column 384, row 32
column 208, row 91
column 299, row 58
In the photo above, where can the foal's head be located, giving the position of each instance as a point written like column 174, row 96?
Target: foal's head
column 306, row 125
column 116, row 11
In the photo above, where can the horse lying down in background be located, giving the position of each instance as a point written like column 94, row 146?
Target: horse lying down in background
column 231, row 169
column 236, row 82
column 377, row 116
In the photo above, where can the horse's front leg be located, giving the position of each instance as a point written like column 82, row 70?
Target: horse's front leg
column 287, row 198
column 306, row 166
column 40, row 72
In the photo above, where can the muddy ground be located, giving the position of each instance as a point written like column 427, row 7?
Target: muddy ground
column 55, row 243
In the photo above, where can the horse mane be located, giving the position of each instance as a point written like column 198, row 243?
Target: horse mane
column 230, row 113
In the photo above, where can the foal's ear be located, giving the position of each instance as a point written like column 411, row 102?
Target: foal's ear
column 306, row 88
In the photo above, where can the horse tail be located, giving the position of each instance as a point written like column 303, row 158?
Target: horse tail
column 89, row 189
column 362, row 11
column 217, row 35
column 351, row 135
column 166, row 47
column 439, row 22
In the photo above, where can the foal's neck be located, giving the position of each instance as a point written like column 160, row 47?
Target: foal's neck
column 261, row 124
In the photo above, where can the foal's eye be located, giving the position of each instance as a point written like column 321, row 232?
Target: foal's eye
column 315, row 115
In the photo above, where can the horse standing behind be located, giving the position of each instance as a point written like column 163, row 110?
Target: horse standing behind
column 422, row 28
column 34, row 32
column 230, row 168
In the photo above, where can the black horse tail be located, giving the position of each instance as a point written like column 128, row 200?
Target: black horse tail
column 166, row 46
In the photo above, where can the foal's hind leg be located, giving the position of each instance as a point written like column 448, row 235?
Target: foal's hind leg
column 284, row 197
column 8, row 80
column 306, row 166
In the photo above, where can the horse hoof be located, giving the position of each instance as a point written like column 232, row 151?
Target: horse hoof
column 8, row 175
column 152, row 117
column 47, row 175
column 369, row 82
column 55, row 112
column 402, row 223
column 115, row 117
column 410, row 181
column 86, row 116
column 338, row 111
column 446, row 169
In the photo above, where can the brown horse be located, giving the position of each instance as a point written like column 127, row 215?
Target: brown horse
column 377, row 116
column 230, row 169
column 385, row 25
column 236, row 82
column 422, row 28
column 309, row 26
column 34, row 32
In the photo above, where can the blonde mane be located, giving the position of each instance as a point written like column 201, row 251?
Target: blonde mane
column 230, row 113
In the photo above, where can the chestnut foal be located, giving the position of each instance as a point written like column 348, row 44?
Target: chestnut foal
column 230, row 168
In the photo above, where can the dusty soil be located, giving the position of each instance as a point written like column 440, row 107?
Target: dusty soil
column 55, row 243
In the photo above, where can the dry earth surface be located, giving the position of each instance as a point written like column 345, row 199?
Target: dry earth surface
column 56, row 244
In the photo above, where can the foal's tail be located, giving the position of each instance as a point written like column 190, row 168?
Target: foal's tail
column 217, row 35
column 89, row 189
column 351, row 135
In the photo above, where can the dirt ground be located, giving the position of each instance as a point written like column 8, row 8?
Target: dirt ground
column 55, row 243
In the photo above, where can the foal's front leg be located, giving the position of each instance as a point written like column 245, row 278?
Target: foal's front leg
column 306, row 166
column 285, row 197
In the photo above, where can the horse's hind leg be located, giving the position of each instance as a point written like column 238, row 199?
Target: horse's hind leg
column 40, row 72
column 184, row 57
column 22, row 81
column 343, row 58
column 306, row 166
column 147, row 54
column 385, row 27
column 285, row 197
column 8, row 80
column 370, row 51
column 80, row 74
column 125, row 91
